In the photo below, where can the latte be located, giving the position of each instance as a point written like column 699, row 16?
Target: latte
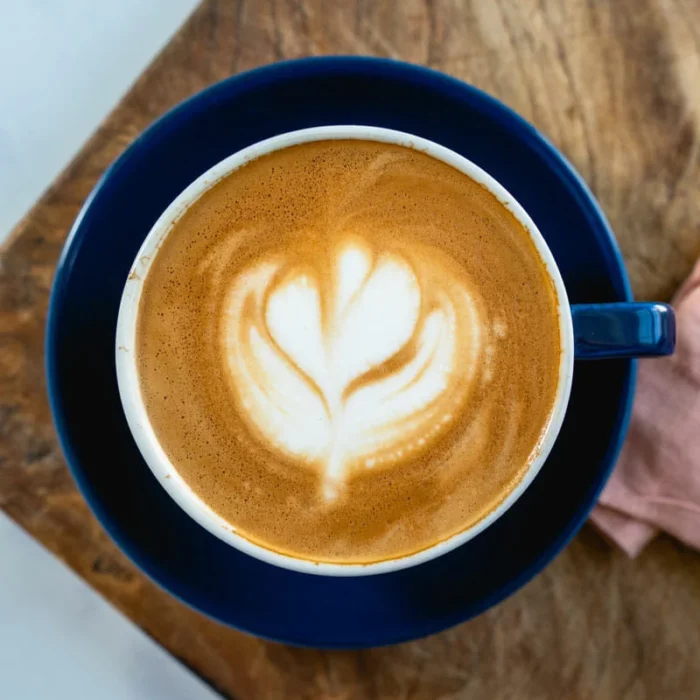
column 349, row 350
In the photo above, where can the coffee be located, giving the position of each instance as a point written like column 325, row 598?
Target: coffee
column 349, row 350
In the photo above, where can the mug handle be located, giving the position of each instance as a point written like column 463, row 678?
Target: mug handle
column 627, row 329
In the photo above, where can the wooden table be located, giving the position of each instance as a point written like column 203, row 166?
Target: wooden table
column 616, row 85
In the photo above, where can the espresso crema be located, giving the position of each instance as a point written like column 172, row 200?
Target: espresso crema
column 349, row 349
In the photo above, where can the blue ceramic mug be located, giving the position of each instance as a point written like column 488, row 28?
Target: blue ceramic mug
column 586, row 331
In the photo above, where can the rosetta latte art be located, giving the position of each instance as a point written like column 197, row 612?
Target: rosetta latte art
column 359, row 359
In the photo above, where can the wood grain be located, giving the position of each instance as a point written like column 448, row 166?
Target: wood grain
column 615, row 85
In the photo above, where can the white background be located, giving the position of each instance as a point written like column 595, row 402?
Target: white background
column 64, row 64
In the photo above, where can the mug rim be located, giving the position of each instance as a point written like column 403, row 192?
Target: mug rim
column 129, row 386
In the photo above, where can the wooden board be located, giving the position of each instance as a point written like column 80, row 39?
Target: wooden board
column 616, row 85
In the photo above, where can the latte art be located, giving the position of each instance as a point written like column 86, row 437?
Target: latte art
column 356, row 360
column 349, row 350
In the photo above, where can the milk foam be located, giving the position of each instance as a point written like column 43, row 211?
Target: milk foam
column 352, row 362
column 348, row 350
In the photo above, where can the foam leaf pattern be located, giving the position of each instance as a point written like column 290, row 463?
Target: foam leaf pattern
column 359, row 359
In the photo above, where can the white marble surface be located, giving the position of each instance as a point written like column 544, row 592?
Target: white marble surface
column 64, row 64
column 61, row 640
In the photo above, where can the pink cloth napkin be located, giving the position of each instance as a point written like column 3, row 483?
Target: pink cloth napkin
column 656, row 483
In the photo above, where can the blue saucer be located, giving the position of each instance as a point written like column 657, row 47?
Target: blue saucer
column 151, row 529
